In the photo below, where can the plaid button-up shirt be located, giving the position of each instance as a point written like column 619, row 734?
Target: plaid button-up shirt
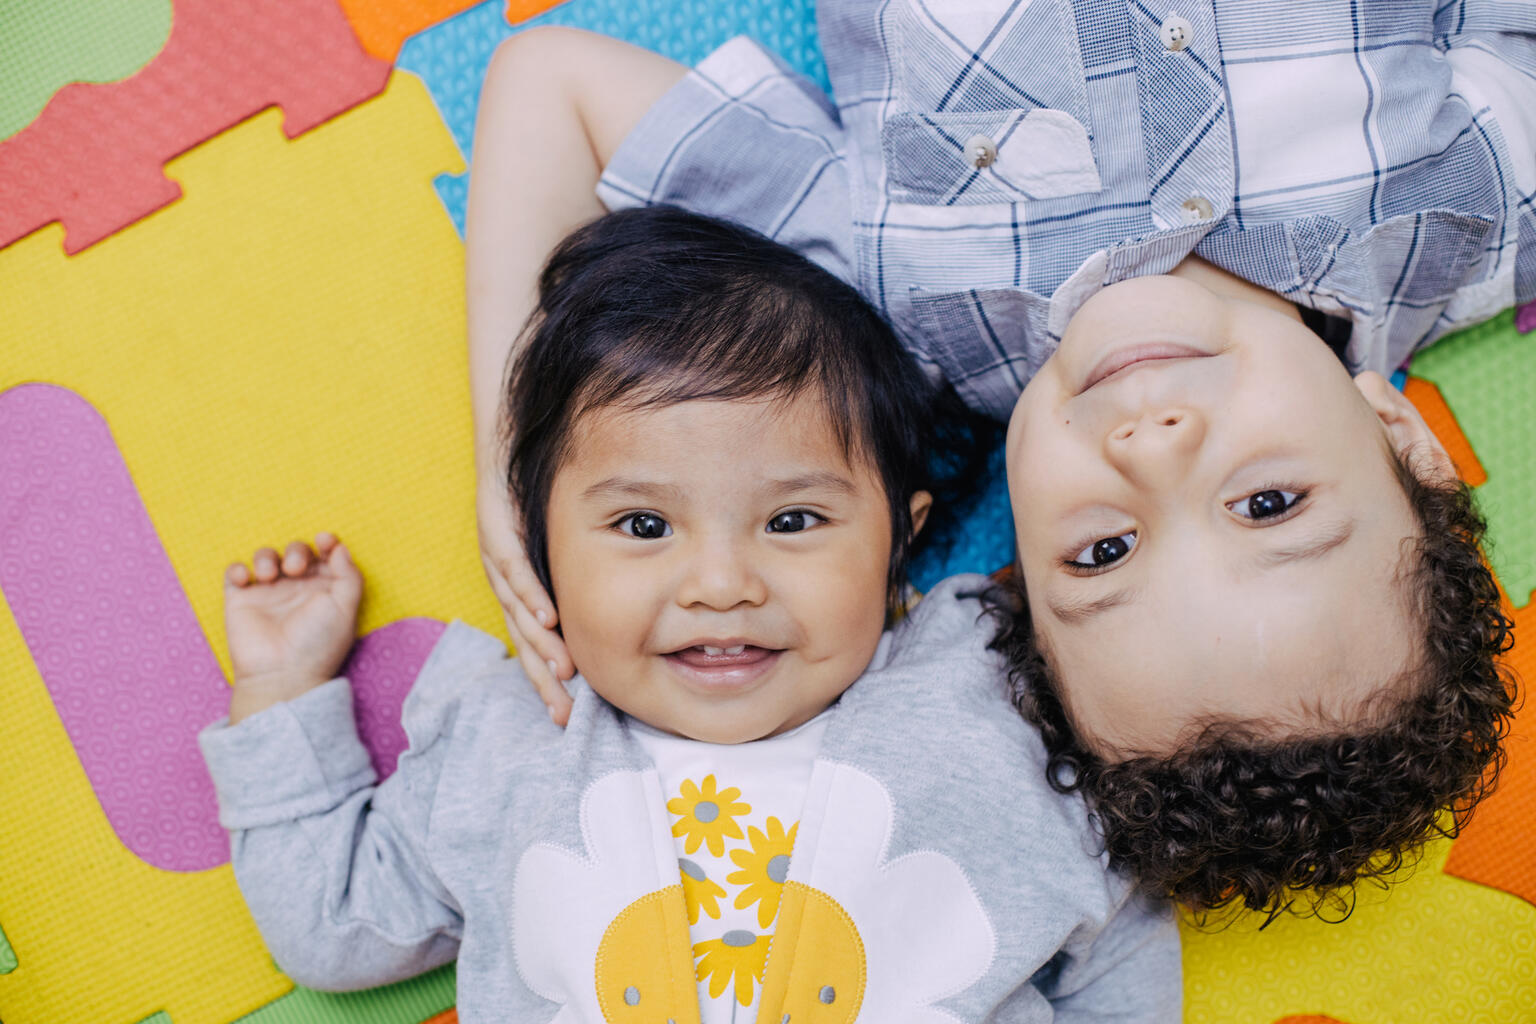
column 989, row 165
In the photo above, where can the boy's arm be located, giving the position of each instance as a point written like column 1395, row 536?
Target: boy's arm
column 333, row 868
column 555, row 105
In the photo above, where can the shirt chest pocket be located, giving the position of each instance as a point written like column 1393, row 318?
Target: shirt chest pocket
column 990, row 104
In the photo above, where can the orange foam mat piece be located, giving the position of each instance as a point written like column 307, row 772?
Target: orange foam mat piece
column 382, row 25
column 1496, row 849
column 93, row 158
column 1309, row 1019
column 519, row 11
column 446, row 1017
column 1426, row 397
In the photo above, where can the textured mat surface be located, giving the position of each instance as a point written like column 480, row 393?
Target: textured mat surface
column 92, row 159
column 310, row 375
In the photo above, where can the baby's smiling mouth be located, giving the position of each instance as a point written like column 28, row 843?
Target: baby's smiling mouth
column 724, row 666
column 710, row 656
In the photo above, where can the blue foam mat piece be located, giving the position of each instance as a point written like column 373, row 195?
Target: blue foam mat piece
column 451, row 58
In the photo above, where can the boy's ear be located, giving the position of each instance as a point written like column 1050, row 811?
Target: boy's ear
column 1410, row 436
column 921, row 502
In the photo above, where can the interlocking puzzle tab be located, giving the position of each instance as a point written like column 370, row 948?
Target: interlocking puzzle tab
column 92, row 159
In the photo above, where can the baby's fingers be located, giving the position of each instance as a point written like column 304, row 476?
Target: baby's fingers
column 347, row 581
column 265, row 565
column 237, row 575
column 297, row 559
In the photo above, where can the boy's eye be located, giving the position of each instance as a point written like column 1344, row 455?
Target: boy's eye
column 645, row 526
column 793, row 522
column 1105, row 551
column 1266, row 504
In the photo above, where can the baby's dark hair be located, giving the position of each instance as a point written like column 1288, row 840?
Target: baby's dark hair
column 655, row 306
column 1239, row 817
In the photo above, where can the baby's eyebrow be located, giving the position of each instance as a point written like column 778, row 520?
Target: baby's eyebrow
column 819, row 480
column 1071, row 612
column 1314, row 545
column 624, row 487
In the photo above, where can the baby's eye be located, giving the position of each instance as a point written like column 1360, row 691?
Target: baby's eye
column 793, row 521
column 645, row 526
column 1266, row 504
column 1103, row 552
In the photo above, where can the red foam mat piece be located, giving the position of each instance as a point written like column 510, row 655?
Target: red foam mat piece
column 93, row 158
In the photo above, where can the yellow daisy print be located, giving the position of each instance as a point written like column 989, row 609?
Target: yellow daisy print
column 738, row 957
column 699, row 890
column 763, row 868
column 706, row 816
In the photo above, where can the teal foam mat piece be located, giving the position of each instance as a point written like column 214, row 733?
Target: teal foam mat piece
column 408, row 1002
column 451, row 57
column 1487, row 375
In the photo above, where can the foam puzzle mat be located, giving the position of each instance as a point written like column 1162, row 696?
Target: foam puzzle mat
column 234, row 314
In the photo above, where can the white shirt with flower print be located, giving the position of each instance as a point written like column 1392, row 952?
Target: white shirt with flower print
column 734, row 810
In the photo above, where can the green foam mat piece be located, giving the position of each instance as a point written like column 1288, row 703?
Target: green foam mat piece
column 7, row 955
column 409, row 1002
column 1487, row 374
column 158, row 1018
column 46, row 45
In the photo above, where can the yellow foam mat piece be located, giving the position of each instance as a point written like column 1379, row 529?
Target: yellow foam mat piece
column 280, row 352
column 1433, row 948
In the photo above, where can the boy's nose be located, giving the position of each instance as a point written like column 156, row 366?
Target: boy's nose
column 720, row 576
column 1156, row 445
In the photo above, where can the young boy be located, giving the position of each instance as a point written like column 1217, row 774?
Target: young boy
column 1031, row 190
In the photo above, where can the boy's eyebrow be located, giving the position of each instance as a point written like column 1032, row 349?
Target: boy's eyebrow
column 1315, row 545
column 624, row 487
column 1072, row 612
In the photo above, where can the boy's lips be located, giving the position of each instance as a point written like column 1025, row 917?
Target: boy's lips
column 723, row 665
column 1128, row 356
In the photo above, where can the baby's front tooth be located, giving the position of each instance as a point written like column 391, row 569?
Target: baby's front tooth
column 736, row 650
column 713, row 650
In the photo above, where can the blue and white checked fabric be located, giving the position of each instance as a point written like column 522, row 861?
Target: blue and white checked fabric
column 1373, row 159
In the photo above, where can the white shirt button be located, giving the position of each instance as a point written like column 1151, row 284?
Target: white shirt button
column 1176, row 32
column 980, row 151
column 1195, row 209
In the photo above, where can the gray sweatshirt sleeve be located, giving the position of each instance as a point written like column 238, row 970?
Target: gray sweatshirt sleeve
column 1132, row 973
column 332, row 865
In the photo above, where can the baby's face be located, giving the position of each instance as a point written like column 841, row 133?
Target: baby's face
column 1209, row 523
column 719, row 567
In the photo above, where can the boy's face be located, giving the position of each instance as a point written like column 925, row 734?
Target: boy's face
column 1214, row 529
column 719, row 567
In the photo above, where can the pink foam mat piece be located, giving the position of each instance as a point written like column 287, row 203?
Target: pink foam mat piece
column 119, row 648
column 93, row 158
column 1525, row 318
column 382, row 668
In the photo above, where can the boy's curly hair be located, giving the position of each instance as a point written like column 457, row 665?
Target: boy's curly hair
column 1240, row 818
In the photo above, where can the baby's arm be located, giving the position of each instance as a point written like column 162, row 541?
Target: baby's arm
column 555, row 106
column 332, row 866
